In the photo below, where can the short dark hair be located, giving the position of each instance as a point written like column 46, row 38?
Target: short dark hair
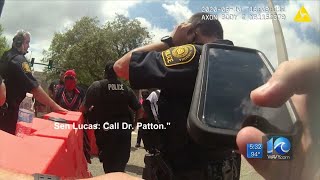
column 207, row 27
column 109, row 72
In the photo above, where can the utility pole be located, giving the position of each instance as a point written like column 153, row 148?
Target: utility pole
column 280, row 43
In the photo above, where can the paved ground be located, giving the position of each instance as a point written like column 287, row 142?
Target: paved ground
column 136, row 164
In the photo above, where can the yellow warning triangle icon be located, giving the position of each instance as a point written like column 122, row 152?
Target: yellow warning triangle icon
column 302, row 15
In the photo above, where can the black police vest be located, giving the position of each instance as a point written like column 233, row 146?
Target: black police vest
column 113, row 103
column 6, row 58
column 4, row 62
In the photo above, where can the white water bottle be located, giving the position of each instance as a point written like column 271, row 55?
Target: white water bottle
column 26, row 114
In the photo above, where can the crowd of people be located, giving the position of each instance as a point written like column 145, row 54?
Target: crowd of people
column 148, row 67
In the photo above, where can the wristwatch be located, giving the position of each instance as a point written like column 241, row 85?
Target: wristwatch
column 168, row 40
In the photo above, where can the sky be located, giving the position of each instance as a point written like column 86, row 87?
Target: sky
column 42, row 18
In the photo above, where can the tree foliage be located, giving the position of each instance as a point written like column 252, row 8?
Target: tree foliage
column 4, row 46
column 88, row 46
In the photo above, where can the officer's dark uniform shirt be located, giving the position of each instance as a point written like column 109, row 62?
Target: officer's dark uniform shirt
column 173, row 71
column 111, row 99
column 19, row 80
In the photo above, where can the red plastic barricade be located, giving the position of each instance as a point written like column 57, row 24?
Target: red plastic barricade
column 94, row 151
column 30, row 155
column 72, row 118
column 52, row 148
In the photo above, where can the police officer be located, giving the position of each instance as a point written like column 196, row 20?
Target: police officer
column 108, row 101
column 172, row 65
column 18, row 78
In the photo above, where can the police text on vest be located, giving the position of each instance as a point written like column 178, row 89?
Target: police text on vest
column 115, row 87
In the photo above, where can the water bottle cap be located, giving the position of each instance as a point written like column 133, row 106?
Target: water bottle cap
column 29, row 95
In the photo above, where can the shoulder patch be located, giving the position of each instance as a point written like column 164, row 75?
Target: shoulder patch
column 25, row 67
column 178, row 55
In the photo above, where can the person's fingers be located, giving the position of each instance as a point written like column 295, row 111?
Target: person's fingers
column 181, row 35
column 272, row 94
column 291, row 77
column 62, row 112
column 277, row 90
column 251, row 135
column 187, row 26
column 248, row 135
column 268, row 169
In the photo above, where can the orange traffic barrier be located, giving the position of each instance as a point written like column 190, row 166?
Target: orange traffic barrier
column 74, row 119
column 28, row 155
column 52, row 148
column 94, row 151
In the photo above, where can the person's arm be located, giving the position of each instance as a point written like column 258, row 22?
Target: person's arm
column 90, row 98
column 41, row 96
column 22, row 74
column 121, row 66
column 2, row 93
column 179, row 35
column 135, row 105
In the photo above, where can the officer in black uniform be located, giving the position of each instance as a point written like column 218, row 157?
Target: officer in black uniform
column 172, row 66
column 16, row 72
column 108, row 102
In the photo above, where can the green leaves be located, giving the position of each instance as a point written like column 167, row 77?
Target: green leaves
column 4, row 46
column 88, row 46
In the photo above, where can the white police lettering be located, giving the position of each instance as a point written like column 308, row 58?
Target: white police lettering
column 115, row 87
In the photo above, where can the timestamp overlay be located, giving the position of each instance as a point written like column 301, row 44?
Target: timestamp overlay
column 255, row 150
column 244, row 13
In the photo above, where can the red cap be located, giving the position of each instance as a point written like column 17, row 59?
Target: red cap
column 70, row 73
